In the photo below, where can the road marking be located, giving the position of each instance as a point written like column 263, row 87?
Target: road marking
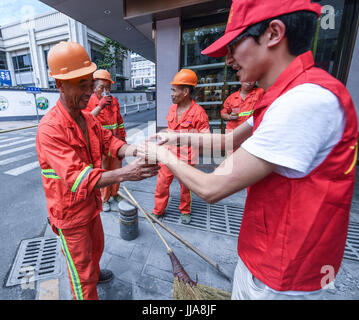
column 25, row 168
column 17, row 149
column 17, row 158
column 10, row 139
column 17, row 142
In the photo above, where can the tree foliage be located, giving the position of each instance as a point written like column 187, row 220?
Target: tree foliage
column 113, row 53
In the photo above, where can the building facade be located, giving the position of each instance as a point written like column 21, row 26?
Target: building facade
column 143, row 72
column 173, row 33
column 24, row 47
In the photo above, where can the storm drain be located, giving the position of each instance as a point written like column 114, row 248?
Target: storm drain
column 37, row 259
column 352, row 245
column 215, row 217
column 227, row 220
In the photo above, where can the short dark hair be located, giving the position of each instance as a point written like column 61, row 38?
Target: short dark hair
column 300, row 30
column 190, row 88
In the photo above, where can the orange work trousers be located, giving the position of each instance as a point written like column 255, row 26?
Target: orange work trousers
column 109, row 163
column 82, row 247
column 162, row 193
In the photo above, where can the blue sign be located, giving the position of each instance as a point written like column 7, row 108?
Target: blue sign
column 33, row 90
column 5, row 78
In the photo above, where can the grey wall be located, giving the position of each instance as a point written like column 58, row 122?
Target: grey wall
column 353, row 77
column 167, row 55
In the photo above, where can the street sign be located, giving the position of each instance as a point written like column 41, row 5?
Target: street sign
column 33, row 90
column 5, row 78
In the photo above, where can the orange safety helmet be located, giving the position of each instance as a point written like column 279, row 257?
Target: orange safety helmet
column 69, row 60
column 103, row 75
column 185, row 77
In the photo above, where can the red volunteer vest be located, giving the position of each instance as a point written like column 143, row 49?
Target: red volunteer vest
column 294, row 230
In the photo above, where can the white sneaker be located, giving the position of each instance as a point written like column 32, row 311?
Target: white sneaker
column 106, row 206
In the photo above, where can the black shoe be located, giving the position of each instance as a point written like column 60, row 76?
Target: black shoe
column 105, row 276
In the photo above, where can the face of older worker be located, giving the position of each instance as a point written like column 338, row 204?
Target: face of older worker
column 76, row 93
column 248, row 58
column 101, row 86
column 178, row 94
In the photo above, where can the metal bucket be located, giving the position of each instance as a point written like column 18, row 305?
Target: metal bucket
column 128, row 220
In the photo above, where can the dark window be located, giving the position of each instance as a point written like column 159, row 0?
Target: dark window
column 3, row 63
column 96, row 56
column 46, row 52
column 22, row 63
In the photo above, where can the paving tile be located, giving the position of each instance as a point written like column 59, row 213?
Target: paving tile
column 115, row 290
column 125, row 269
column 151, row 287
column 118, row 247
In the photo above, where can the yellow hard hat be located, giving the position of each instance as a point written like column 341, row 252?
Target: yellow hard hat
column 185, row 77
column 69, row 60
column 103, row 75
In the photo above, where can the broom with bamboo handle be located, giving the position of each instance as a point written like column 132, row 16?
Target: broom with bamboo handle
column 178, row 237
column 178, row 269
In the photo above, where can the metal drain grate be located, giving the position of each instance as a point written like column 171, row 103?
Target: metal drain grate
column 227, row 220
column 215, row 217
column 37, row 259
column 352, row 245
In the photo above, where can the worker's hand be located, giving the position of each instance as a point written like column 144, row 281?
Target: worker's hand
column 139, row 170
column 233, row 116
column 105, row 101
column 152, row 153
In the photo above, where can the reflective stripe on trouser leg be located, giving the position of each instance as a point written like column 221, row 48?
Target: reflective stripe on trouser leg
column 76, row 284
column 162, row 193
column 85, row 245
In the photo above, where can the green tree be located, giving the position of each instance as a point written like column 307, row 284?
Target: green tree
column 113, row 53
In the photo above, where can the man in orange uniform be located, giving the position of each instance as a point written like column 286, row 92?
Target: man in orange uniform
column 184, row 116
column 238, row 107
column 107, row 110
column 69, row 146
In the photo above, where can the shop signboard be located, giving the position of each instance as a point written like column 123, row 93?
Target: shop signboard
column 5, row 78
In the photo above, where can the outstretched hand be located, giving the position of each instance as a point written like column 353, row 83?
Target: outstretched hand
column 139, row 170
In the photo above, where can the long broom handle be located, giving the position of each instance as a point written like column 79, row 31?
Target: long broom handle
column 154, row 227
column 177, row 236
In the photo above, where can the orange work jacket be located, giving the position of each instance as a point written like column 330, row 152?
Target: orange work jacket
column 110, row 117
column 70, row 168
column 244, row 108
column 195, row 119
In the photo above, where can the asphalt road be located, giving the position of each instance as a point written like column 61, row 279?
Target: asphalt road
column 22, row 201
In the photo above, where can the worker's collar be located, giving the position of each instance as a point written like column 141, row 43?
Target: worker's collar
column 69, row 120
column 300, row 64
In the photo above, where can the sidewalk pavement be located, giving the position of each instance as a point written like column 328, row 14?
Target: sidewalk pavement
column 7, row 126
column 142, row 268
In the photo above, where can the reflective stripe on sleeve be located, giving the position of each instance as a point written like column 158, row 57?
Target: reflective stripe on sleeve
column 83, row 174
column 245, row 113
column 110, row 126
column 49, row 173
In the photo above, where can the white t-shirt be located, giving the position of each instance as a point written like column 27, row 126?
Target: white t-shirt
column 297, row 133
column 298, row 130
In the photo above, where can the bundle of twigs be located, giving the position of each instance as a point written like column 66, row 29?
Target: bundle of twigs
column 184, row 288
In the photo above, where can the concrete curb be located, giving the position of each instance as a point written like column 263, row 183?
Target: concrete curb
column 10, row 130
